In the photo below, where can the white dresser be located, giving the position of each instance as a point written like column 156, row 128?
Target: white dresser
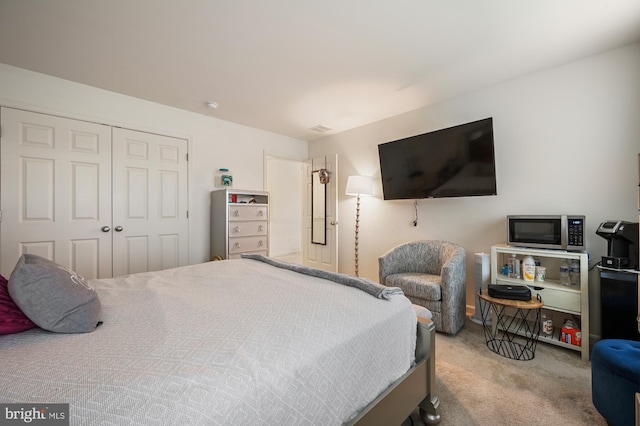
column 239, row 223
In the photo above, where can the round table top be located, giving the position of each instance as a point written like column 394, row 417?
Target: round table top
column 520, row 304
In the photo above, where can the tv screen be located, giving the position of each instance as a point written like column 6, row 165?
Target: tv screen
column 457, row 161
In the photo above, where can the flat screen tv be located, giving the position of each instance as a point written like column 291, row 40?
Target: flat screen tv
column 457, row 161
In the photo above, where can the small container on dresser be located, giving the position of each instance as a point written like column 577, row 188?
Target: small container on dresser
column 239, row 223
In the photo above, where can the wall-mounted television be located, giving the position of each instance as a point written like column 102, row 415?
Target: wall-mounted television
column 457, row 161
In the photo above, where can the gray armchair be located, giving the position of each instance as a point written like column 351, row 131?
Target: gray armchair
column 431, row 274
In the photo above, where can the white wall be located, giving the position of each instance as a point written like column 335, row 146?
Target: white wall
column 213, row 143
column 566, row 142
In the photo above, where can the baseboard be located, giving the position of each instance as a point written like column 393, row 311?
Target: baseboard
column 471, row 309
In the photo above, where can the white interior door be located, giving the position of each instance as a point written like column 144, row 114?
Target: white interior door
column 322, row 256
column 150, row 202
column 55, row 192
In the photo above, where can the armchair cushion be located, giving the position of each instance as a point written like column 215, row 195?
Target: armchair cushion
column 424, row 286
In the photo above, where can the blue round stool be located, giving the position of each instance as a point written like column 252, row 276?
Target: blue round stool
column 615, row 379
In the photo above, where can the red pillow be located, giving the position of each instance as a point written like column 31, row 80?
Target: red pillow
column 12, row 320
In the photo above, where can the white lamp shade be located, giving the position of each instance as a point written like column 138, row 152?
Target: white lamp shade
column 359, row 185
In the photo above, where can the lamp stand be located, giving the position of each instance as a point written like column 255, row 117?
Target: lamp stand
column 357, row 226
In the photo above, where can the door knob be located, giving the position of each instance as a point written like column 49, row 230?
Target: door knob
column 105, row 229
column 118, row 228
column 334, row 222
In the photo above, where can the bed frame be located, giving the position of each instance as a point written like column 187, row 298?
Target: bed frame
column 415, row 390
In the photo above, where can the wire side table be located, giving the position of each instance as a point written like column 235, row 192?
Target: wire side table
column 515, row 326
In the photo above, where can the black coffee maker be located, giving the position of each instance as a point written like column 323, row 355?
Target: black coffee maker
column 622, row 244
column 619, row 280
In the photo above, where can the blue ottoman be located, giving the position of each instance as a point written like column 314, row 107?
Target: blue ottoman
column 615, row 379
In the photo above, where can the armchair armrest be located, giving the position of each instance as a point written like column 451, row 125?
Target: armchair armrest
column 453, row 271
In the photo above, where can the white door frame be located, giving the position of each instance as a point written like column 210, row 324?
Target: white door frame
column 324, row 257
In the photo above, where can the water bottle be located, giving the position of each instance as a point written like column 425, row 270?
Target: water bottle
column 574, row 273
column 511, row 265
column 564, row 272
column 516, row 267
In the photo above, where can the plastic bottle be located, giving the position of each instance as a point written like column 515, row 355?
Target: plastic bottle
column 511, row 265
column 528, row 268
column 574, row 272
column 564, row 272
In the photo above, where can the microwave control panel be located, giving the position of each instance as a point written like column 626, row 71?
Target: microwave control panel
column 575, row 232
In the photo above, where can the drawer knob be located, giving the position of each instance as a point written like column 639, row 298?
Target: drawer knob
column 236, row 245
column 261, row 228
column 236, row 229
column 236, row 213
column 260, row 213
column 260, row 243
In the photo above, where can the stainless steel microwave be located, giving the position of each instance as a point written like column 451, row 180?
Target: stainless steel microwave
column 558, row 232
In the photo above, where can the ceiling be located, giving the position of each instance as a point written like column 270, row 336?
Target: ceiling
column 289, row 65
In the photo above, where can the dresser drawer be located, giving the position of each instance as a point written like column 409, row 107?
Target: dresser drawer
column 239, row 255
column 247, row 228
column 247, row 212
column 246, row 244
column 559, row 299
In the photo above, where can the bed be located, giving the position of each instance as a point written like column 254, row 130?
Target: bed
column 234, row 342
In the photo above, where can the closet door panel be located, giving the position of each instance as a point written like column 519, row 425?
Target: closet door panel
column 149, row 202
column 55, row 188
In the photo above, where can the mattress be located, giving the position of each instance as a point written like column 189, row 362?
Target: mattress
column 235, row 342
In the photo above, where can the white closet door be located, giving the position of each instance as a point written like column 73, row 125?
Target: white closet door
column 149, row 202
column 55, row 188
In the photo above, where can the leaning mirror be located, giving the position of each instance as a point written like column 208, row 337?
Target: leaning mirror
column 318, row 210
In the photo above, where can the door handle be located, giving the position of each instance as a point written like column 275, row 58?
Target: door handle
column 118, row 228
column 105, row 229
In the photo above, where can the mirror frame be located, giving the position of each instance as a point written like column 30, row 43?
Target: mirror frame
column 318, row 210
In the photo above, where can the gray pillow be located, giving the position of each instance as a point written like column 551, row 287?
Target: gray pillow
column 53, row 297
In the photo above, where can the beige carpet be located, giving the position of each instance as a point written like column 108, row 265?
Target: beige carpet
column 479, row 387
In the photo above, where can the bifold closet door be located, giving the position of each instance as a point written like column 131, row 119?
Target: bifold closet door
column 99, row 200
column 150, row 225
column 55, row 192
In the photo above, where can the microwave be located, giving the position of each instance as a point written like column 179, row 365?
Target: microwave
column 558, row 232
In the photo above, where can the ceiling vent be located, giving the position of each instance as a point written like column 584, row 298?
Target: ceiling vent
column 319, row 128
